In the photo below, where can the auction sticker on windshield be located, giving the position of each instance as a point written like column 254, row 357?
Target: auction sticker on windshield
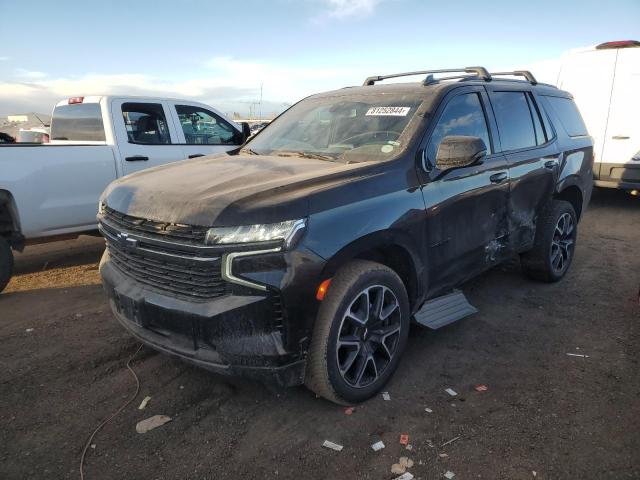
column 386, row 111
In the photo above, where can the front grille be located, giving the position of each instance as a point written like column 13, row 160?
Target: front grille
column 181, row 268
column 161, row 230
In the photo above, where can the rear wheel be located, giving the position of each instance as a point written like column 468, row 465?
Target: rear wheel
column 6, row 263
column 555, row 243
column 360, row 333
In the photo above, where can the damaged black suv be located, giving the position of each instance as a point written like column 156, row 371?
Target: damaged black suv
column 304, row 256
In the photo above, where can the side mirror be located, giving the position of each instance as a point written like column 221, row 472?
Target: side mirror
column 246, row 131
column 459, row 151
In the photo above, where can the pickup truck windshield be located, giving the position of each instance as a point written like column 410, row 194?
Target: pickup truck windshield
column 352, row 128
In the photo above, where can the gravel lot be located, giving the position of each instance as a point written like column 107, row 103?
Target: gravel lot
column 544, row 411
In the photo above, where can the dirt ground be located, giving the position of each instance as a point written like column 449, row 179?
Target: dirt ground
column 546, row 412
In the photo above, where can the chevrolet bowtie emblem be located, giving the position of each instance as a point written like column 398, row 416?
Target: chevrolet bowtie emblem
column 126, row 242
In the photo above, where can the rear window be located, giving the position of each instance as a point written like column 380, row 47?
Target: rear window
column 569, row 116
column 78, row 122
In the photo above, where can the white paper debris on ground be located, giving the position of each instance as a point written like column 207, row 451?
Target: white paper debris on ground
column 29, row 330
column 406, row 462
column 403, row 464
column 377, row 446
column 405, row 476
column 428, row 410
column 385, row 396
column 332, row 446
column 535, row 474
column 430, row 443
column 409, row 447
column 451, row 392
column 443, row 455
column 152, row 422
column 449, row 474
column 144, row 402
column 93, row 445
column 577, row 355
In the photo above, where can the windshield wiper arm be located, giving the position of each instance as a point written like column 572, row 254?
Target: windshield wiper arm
column 316, row 156
column 249, row 151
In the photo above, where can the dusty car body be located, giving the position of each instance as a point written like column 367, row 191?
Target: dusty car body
column 379, row 221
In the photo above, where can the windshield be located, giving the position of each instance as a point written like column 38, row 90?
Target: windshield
column 352, row 128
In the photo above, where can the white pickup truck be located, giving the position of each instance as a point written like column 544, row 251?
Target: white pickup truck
column 50, row 191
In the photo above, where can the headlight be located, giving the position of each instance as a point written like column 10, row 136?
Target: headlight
column 286, row 231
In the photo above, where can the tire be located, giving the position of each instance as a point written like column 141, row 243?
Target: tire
column 343, row 341
column 6, row 263
column 554, row 244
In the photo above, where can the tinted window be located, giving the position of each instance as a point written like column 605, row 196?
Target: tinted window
column 81, row 122
column 514, row 120
column 569, row 116
column 204, row 127
column 537, row 122
column 463, row 115
column 145, row 123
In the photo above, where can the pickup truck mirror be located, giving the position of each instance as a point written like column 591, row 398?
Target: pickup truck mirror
column 246, row 131
column 459, row 151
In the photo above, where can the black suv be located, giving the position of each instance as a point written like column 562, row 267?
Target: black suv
column 304, row 256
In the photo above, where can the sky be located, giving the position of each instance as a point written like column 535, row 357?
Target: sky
column 224, row 53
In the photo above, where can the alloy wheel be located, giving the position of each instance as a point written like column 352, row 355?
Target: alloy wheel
column 368, row 336
column 562, row 243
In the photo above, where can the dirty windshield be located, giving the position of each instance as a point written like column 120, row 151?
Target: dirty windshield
column 345, row 129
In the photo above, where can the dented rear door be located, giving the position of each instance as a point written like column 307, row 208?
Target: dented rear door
column 527, row 141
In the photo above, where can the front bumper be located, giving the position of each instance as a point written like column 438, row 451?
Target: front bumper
column 232, row 335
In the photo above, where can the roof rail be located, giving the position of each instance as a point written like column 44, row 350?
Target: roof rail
column 478, row 71
column 520, row 73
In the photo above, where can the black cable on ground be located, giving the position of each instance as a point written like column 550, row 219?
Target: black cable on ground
column 133, row 397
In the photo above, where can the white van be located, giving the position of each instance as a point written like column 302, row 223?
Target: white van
column 605, row 81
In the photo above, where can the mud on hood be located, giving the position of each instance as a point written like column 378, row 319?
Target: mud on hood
column 225, row 190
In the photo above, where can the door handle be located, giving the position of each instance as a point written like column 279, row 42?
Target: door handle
column 620, row 137
column 550, row 164
column 498, row 177
column 196, row 155
column 137, row 158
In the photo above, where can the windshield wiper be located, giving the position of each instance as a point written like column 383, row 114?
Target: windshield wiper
column 316, row 156
column 249, row 151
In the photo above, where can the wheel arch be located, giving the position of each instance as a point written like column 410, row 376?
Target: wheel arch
column 572, row 193
column 390, row 249
column 9, row 220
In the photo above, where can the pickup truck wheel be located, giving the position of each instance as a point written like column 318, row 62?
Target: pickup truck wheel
column 554, row 245
column 6, row 263
column 360, row 333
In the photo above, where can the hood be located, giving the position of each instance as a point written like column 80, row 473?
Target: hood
column 226, row 190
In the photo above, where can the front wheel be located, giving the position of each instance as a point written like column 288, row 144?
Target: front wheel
column 555, row 243
column 360, row 333
column 6, row 263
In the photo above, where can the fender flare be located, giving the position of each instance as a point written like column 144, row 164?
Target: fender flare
column 381, row 240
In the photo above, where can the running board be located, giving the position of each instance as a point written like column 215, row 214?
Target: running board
column 444, row 310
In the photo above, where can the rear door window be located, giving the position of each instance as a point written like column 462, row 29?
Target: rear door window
column 146, row 123
column 203, row 127
column 515, row 120
column 463, row 115
column 570, row 118
column 80, row 122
